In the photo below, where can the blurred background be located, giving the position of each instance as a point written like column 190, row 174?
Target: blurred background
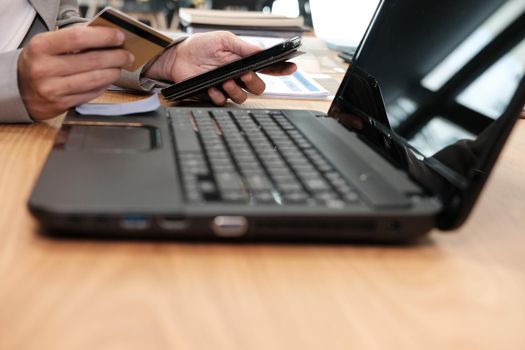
column 339, row 23
column 162, row 14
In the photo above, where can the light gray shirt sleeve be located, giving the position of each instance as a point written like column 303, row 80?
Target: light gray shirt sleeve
column 68, row 13
column 12, row 107
column 135, row 80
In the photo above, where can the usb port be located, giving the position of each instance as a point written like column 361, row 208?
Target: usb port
column 135, row 222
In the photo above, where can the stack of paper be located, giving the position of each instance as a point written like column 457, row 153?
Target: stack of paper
column 240, row 22
column 237, row 18
column 145, row 105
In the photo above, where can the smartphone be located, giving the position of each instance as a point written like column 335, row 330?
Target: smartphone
column 346, row 56
column 260, row 60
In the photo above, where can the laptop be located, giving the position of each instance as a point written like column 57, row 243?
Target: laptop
column 417, row 124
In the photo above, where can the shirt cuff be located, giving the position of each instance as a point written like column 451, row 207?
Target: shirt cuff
column 13, row 107
column 135, row 80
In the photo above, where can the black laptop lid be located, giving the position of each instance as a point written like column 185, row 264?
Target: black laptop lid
column 436, row 87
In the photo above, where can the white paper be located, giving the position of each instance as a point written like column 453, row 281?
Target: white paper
column 296, row 86
column 149, row 104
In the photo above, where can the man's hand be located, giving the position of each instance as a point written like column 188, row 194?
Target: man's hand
column 68, row 67
column 203, row 52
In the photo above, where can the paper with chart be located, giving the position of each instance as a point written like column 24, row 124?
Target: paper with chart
column 296, row 86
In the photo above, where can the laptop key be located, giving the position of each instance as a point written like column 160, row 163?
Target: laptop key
column 289, row 187
column 295, row 197
column 229, row 182
column 351, row 197
column 207, row 187
column 185, row 137
column 194, row 196
column 316, row 185
column 264, row 197
column 257, row 182
column 234, row 196
column 335, row 203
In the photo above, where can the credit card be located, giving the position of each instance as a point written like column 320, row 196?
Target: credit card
column 141, row 40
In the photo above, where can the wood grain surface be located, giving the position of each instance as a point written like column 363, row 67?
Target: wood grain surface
column 459, row 290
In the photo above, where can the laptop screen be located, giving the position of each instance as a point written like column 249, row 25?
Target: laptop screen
column 436, row 86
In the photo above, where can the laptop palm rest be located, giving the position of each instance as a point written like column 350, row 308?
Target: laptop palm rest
column 360, row 170
column 110, row 138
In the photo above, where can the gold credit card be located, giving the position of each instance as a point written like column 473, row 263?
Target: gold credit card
column 141, row 40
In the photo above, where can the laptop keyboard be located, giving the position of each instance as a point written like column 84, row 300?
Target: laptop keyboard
column 252, row 157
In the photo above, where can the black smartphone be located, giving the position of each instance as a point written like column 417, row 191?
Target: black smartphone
column 346, row 56
column 260, row 60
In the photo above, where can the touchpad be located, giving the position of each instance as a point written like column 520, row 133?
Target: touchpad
column 111, row 138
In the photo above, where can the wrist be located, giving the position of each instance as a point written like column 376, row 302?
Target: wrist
column 169, row 62
column 161, row 68
column 22, row 84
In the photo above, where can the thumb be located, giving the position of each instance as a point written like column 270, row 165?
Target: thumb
column 241, row 47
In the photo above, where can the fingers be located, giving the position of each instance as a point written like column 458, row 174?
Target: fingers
column 253, row 83
column 285, row 68
column 78, row 38
column 65, row 65
column 216, row 96
column 84, row 97
column 233, row 90
column 79, row 83
column 53, row 96
column 40, row 111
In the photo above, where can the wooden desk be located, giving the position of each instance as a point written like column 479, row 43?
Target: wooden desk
column 464, row 290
